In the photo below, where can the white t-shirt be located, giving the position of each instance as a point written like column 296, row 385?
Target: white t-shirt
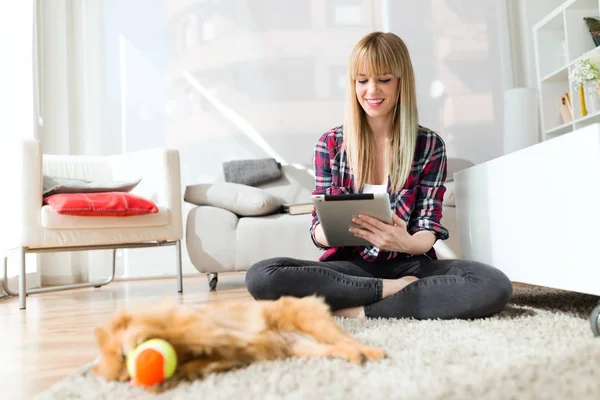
column 374, row 188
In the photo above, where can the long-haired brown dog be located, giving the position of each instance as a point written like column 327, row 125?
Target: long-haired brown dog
column 223, row 336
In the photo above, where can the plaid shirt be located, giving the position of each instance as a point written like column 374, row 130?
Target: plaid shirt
column 419, row 202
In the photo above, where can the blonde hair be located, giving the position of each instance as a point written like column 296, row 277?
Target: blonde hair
column 380, row 53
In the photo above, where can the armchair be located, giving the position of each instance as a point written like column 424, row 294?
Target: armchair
column 37, row 228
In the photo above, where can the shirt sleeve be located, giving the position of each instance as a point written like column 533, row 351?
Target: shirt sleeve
column 323, row 153
column 430, row 193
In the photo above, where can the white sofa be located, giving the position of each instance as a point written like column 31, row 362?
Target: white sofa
column 31, row 227
column 218, row 240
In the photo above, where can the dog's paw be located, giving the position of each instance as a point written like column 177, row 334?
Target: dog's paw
column 349, row 353
column 372, row 354
column 163, row 386
column 362, row 354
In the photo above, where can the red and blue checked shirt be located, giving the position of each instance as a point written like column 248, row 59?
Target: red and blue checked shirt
column 419, row 203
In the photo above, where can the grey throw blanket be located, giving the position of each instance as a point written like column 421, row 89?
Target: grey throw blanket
column 252, row 172
column 55, row 185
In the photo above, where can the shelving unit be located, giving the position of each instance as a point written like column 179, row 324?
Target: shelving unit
column 560, row 40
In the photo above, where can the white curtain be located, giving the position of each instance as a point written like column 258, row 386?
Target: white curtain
column 18, row 109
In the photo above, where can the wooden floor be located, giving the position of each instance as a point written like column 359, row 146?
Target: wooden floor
column 53, row 337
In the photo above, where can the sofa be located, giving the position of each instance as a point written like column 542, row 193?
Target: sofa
column 232, row 226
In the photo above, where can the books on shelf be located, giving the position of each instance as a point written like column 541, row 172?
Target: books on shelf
column 565, row 107
column 296, row 209
column 593, row 26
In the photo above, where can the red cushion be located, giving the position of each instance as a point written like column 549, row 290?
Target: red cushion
column 109, row 204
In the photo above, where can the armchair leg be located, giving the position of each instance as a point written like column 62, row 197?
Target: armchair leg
column 179, row 269
column 23, row 292
column 22, row 278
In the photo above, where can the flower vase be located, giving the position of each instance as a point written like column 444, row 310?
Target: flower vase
column 592, row 97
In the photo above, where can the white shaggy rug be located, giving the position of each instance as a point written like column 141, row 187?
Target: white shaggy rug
column 540, row 347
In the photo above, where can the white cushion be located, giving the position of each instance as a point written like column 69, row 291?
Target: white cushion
column 455, row 165
column 53, row 220
column 449, row 248
column 242, row 200
column 449, row 198
column 294, row 187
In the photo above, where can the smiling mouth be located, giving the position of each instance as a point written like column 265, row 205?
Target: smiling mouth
column 374, row 102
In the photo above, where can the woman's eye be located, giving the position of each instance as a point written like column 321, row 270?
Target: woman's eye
column 384, row 80
column 363, row 82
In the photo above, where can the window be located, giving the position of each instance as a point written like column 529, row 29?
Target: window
column 345, row 13
column 188, row 34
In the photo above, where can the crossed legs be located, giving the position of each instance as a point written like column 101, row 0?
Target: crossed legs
column 416, row 287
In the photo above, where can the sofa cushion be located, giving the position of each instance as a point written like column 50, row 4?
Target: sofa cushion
column 110, row 204
column 243, row 200
column 449, row 198
column 252, row 172
column 455, row 165
column 53, row 220
column 281, row 235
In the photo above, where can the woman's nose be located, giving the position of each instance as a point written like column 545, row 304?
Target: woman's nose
column 372, row 87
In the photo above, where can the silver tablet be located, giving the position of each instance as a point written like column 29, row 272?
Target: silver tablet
column 335, row 214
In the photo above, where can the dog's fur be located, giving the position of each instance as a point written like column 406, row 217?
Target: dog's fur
column 224, row 336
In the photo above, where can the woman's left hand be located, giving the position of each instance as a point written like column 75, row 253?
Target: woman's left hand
column 387, row 237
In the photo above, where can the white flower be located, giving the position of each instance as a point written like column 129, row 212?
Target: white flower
column 584, row 71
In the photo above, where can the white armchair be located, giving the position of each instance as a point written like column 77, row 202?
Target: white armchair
column 35, row 228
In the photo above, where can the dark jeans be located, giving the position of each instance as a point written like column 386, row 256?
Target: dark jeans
column 446, row 288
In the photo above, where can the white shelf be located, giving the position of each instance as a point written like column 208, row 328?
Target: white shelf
column 559, row 75
column 552, row 20
column 561, row 39
column 560, row 129
column 593, row 55
column 590, row 118
column 581, row 4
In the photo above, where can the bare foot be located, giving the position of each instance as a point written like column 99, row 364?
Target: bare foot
column 353, row 312
column 390, row 287
column 393, row 286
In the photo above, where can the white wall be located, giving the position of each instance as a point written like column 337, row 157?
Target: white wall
column 270, row 79
column 17, row 103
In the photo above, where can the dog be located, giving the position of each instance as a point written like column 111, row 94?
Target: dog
column 224, row 336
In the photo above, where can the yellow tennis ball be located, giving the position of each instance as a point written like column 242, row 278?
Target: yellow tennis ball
column 152, row 362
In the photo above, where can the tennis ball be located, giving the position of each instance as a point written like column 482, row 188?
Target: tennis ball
column 152, row 362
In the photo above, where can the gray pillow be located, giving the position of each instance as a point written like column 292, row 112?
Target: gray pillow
column 243, row 200
column 55, row 185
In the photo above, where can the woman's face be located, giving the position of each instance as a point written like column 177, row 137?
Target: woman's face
column 377, row 94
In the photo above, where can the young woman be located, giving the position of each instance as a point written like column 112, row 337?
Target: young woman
column 382, row 148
